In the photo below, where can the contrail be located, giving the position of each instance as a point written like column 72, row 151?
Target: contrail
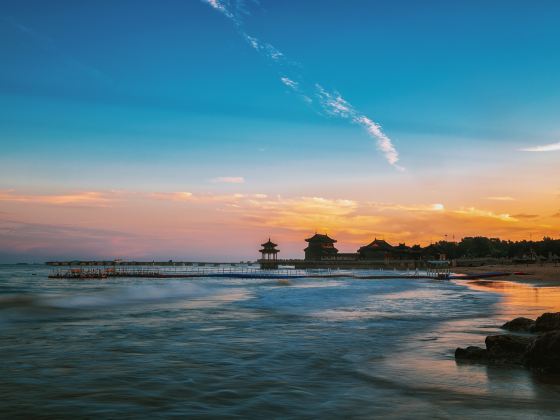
column 331, row 102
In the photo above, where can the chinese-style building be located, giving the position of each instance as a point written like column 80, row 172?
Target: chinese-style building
column 376, row 250
column 269, row 251
column 320, row 247
column 382, row 250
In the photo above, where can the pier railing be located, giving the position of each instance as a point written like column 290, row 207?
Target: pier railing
column 135, row 271
column 172, row 272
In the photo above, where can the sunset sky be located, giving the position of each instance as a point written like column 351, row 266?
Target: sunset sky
column 194, row 130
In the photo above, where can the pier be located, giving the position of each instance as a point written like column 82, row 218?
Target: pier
column 229, row 272
column 264, row 263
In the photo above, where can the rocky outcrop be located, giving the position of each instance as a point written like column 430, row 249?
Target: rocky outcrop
column 472, row 353
column 539, row 351
column 543, row 353
column 520, row 324
column 507, row 349
column 548, row 322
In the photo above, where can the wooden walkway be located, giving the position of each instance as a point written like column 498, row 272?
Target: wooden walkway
column 251, row 273
column 228, row 272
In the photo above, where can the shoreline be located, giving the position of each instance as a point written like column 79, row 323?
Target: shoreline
column 537, row 274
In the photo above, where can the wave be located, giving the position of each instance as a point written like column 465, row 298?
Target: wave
column 30, row 303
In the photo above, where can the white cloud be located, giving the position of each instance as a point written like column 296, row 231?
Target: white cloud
column 273, row 53
column 289, row 82
column 554, row 147
column 216, row 4
column 472, row 211
column 253, row 42
column 384, row 143
column 82, row 198
column 173, row 196
column 501, row 198
column 332, row 103
column 229, row 180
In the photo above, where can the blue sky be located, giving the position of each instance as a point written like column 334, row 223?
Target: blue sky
column 169, row 96
column 463, row 68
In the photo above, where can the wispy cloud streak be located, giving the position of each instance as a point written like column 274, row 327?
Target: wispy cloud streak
column 335, row 104
column 84, row 198
column 501, row 198
column 331, row 103
column 554, row 147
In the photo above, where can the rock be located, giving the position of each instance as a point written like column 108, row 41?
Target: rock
column 507, row 348
column 549, row 321
column 541, row 352
column 471, row 353
column 544, row 352
column 520, row 324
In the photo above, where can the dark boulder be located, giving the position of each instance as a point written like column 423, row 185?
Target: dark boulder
column 471, row 353
column 544, row 353
column 549, row 321
column 520, row 324
column 507, row 348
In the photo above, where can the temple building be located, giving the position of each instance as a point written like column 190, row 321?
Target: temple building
column 269, row 251
column 382, row 250
column 376, row 250
column 321, row 247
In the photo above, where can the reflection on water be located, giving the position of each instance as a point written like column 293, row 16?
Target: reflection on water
column 251, row 348
column 428, row 358
column 521, row 299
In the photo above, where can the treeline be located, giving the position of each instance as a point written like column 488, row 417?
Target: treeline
column 482, row 247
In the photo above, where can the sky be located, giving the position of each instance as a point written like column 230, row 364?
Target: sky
column 197, row 129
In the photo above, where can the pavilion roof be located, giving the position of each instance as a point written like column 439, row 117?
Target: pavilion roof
column 269, row 244
column 378, row 244
column 321, row 238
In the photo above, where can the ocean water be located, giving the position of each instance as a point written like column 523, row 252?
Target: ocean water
column 299, row 348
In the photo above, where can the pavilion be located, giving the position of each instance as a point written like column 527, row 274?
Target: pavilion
column 269, row 251
column 321, row 247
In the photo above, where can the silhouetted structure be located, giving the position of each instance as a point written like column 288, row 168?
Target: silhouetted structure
column 269, row 251
column 376, row 250
column 380, row 250
column 321, row 247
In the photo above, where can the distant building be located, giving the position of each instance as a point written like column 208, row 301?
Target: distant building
column 376, row 250
column 382, row 250
column 321, row 247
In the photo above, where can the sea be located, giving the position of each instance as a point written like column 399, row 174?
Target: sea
column 262, row 348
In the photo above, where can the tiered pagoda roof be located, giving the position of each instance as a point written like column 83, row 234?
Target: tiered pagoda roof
column 321, row 238
column 269, row 247
column 269, row 244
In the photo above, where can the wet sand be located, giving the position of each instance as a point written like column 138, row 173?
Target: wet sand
column 546, row 274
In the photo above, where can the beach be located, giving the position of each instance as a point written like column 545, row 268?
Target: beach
column 546, row 273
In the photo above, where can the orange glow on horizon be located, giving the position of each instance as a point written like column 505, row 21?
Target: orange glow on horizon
column 130, row 224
